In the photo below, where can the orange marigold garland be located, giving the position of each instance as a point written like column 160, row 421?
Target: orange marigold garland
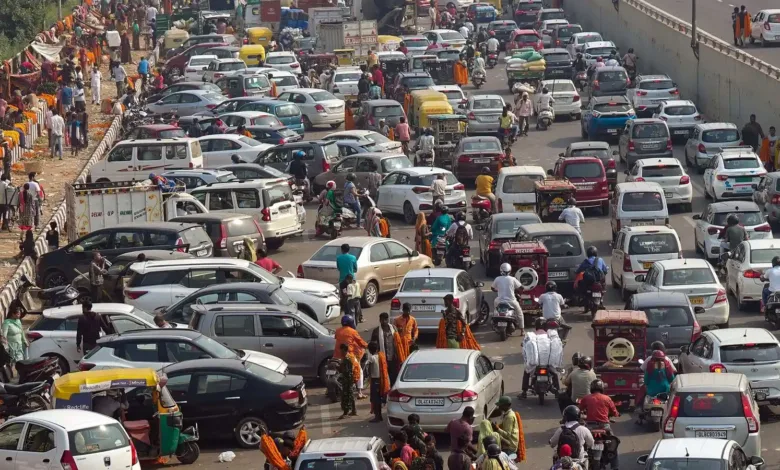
column 384, row 377
column 300, row 441
column 401, row 347
column 271, row 452
column 468, row 341
column 521, row 440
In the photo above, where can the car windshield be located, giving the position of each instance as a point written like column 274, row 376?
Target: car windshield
column 568, row 31
column 774, row 18
column 710, row 405
column 764, row 255
column 553, row 15
column 665, row 317
column 526, row 38
column 583, row 170
column 266, row 121
column 285, row 81
column 741, row 163
column 660, row 84
column 451, row 36
column 720, row 136
column 505, row 26
column 661, row 170
column 750, row 352
column 679, row 110
column 684, row 464
column 201, row 61
column 593, row 37
column 213, row 97
column 650, row 131
column 336, row 463
column 612, row 107
column 145, row 316
column 645, row 201
column 427, row 180
column 529, row 7
column 215, row 349
column 507, row 228
column 491, row 103
column 232, row 66
column 264, row 372
column 688, row 276
column 388, row 111
column 172, row 133
column 612, row 76
column 95, row 440
column 322, row 96
column 416, row 42
column 520, row 184
column 418, row 82
column 653, row 244
column 599, row 51
column 375, row 137
column 330, row 252
column 556, row 87
column 482, row 146
column 347, row 77
column 452, row 94
column 395, row 163
column 561, row 245
column 254, row 83
column 747, row 219
column 448, row 54
column 427, row 284
column 280, row 59
column 603, row 154
column 436, row 372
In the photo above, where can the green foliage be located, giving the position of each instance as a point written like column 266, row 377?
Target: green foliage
column 22, row 20
column 47, row 88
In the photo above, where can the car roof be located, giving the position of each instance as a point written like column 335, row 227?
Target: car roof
column 550, row 227
column 659, row 161
column 241, row 286
column 487, row 96
column 557, row 81
column 376, row 103
column 258, row 183
column 227, row 59
column 154, row 141
column 67, row 419
column 522, row 170
column 157, row 333
column 215, row 215
column 440, row 356
column 763, row 243
column 688, row 447
column 159, row 127
column 149, row 266
column 103, row 307
column 550, row 10
column 609, row 99
column 729, row 153
column 660, row 299
column 741, row 336
column 205, row 364
column 609, row 68
column 730, row 206
column 653, row 77
column 709, row 382
column 355, row 241
column 648, row 228
column 156, row 254
column 281, row 53
column 252, row 307
column 413, row 36
column 589, row 145
column 197, row 92
column 443, row 88
column 246, row 114
column 678, row 103
column 201, row 171
column 595, row 44
column 353, row 132
column 440, row 272
column 155, row 225
column 716, row 125
column 341, row 444
column 424, row 170
column 647, row 121
column 684, row 263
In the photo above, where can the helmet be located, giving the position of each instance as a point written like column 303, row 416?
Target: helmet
column 545, row 90
column 586, row 362
column 575, row 358
column 551, row 286
column 489, row 440
column 460, row 216
column 597, row 386
column 505, row 269
column 351, row 177
column 493, row 450
column 299, row 154
column 732, row 219
column 330, row 184
column 445, row 209
column 776, row 261
column 657, row 346
column 579, row 55
column 592, row 252
column 571, row 413
column 485, row 169
column 152, row 176
column 347, row 320
column 572, row 201
column 659, row 355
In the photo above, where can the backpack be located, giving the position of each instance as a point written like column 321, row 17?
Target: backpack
column 591, row 273
column 570, row 437
column 462, row 235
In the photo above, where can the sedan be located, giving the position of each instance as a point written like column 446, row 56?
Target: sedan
column 579, row 39
column 733, row 173
column 236, row 398
column 183, row 86
column 498, row 229
column 370, row 139
column 253, row 171
column 408, row 192
column 219, row 148
column 710, row 222
column 680, row 115
column 250, row 118
column 567, row 100
column 744, row 269
column 599, row 149
column 439, row 384
column 196, row 67
column 695, row 278
column 219, row 68
column 319, row 107
column 671, row 319
column 351, row 147
column 475, row 153
column 425, row 290
column 186, row 103
column 284, row 61
column 483, row 112
column 345, row 82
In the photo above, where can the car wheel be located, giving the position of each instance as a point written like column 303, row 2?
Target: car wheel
column 409, row 216
column 62, row 363
column 699, row 251
column 248, row 432
column 740, row 304
column 274, row 243
column 306, row 123
column 335, row 126
column 322, row 370
column 578, row 116
column 103, row 180
column 605, row 208
column 370, row 295
column 484, row 314
column 752, row 40
column 615, row 283
column 54, row 279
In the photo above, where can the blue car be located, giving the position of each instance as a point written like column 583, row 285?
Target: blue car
column 606, row 116
column 287, row 112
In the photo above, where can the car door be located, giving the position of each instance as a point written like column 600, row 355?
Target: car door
column 697, row 356
column 648, row 286
column 382, row 266
column 189, row 104
column 180, row 386
column 384, row 196
column 700, row 229
column 616, row 262
column 709, row 172
column 400, row 191
column 492, row 378
column 220, row 150
column 38, row 450
column 219, row 398
column 236, row 331
column 481, row 383
column 289, row 339
column 10, row 436
column 168, row 104
column 342, row 169
column 734, row 267
column 365, row 167
column 196, row 279
column 403, row 260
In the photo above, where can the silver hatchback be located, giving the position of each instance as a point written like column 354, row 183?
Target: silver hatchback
column 482, row 112
column 650, row 91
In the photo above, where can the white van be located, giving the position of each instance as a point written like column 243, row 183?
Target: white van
column 136, row 159
column 270, row 201
column 515, row 190
column 637, row 204
column 635, row 251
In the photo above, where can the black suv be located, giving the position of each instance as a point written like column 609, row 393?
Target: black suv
column 227, row 231
column 60, row 267
column 558, row 63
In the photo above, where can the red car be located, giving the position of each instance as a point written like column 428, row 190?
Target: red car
column 176, row 65
column 587, row 174
column 156, row 131
column 521, row 38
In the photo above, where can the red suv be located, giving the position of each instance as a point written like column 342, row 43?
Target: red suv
column 521, row 38
column 179, row 63
column 588, row 176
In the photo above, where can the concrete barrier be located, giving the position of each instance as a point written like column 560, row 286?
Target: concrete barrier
column 726, row 83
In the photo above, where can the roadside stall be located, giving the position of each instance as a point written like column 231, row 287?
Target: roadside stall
column 619, row 342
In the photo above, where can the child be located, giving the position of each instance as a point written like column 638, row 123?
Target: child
column 353, row 299
column 347, row 380
column 375, row 396
column 53, row 236
column 431, row 452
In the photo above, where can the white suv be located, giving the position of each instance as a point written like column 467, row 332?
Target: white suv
column 219, row 68
column 155, row 284
column 635, row 251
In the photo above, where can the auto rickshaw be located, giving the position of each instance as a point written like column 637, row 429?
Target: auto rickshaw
column 345, row 56
column 146, row 409
column 173, row 38
column 416, row 63
column 418, row 98
column 619, row 342
column 251, row 54
column 448, row 129
column 552, row 197
column 529, row 266
column 442, row 71
column 318, row 62
column 388, row 43
column 481, row 13
column 259, row 35
column 392, row 63
column 430, row 108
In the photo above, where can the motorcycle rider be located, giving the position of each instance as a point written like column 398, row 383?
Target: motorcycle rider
column 462, row 29
column 579, row 64
column 300, row 171
column 479, row 67
column 658, row 346
column 593, row 268
column 598, row 408
column 772, row 275
column 459, row 234
column 351, row 198
column 482, row 36
column 551, row 303
column 507, row 288
column 658, row 377
column 630, row 62
column 540, row 324
column 469, row 50
column 596, row 65
column 545, row 101
column 573, row 215
column 579, row 379
column 613, row 60
column 426, row 143
column 484, row 183
column 733, row 234
column 493, row 44
column 571, row 431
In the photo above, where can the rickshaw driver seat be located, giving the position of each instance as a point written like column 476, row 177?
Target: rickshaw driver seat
column 139, row 430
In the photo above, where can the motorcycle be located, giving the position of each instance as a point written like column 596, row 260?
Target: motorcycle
column 348, row 217
column 481, row 208
column 332, row 380
column 653, row 410
column 43, row 369
column 439, row 251
column 542, row 383
column 504, row 321
column 422, row 158
column 508, row 138
column 478, row 79
column 772, row 309
column 492, row 59
column 333, row 227
column 604, row 448
column 581, row 80
column 594, row 298
column 723, row 258
column 302, row 187
column 21, row 399
column 34, row 300
column 461, row 260
column 544, row 119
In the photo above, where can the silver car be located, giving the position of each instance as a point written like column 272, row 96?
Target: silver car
column 186, row 103
column 438, row 384
column 483, row 112
column 709, row 139
column 424, row 290
column 650, row 91
column 710, row 405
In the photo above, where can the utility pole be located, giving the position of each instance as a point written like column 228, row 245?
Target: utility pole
column 59, row 10
column 694, row 35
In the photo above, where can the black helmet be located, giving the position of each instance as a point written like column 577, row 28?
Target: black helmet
column 572, row 201
column 592, row 252
column 571, row 413
column 235, row 158
column 485, row 169
column 493, row 450
column 444, row 209
column 630, row 50
column 540, row 324
column 351, row 177
column 545, row 90
column 586, row 362
column 776, row 261
column 732, row 219
column 486, row 442
column 657, row 346
column 460, row 216
column 575, row 358
column 551, row 286
column 597, row 386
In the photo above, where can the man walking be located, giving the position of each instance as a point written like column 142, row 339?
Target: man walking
column 346, row 263
column 57, row 131
column 88, row 328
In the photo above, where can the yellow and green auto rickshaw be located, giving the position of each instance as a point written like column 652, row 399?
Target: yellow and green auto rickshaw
column 259, row 35
column 418, row 98
column 141, row 402
column 430, row 108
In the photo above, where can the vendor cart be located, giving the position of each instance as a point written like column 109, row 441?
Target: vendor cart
column 619, row 342
column 529, row 265
column 318, row 62
column 530, row 77
column 552, row 196
column 448, row 129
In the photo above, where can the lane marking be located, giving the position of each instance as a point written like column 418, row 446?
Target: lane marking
column 325, row 420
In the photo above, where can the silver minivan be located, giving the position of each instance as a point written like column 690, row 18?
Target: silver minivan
column 565, row 245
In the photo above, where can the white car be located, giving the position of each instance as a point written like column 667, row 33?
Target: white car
column 733, row 173
column 567, row 100
column 408, row 192
column 218, row 149
column 345, row 81
column 746, row 266
column 593, row 50
column 318, row 107
column 446, row 38
column 416, row 45
column 709, row 139
column 284, row 60
column 219, row 68
column 766, row 27
column 546, row 30
column 706, row 452
column 375, row 140
column 667, row 172
column 157, row 284
column 695, row 278
column 285, row 81
column 250, row 118
column 636, row 249
column 53, row 334
column 516, row 187
column 69, row 439
column 710, row 222
column 455, row 95
column 196, row 67
column 680, row 115
column 578, row 40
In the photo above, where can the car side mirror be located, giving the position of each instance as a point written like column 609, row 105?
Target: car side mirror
column 642, row 460
column 754, row 186
column 756, row 461
column 480, row 284
column 498, row 365
column 414, row 253
column 684, row 349
column 641, row 278
column 698, row 310
column 550, row 172
column 696, row 217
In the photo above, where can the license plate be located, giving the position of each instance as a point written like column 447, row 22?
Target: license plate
column 528, row 302
column 201, row 253
column 429, row 401
column 682, row 132
column 620, row 382
column 697, row 300
column 657, row 413
column 558, row 274
column 744, row 179
column 668, row 194
column 712, row 434
column 640, row 223
column 597, row 294
column 647, row 265
column 524, row 207
column 467, row 259
column 424, row 308
column 480, row 160
column 542, row 378
column 598, row 446
column 501, row 323
column 337, row 225
column 330, row 373
column 612, row 131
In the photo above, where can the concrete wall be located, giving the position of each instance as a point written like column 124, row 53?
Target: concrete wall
column 725, row 83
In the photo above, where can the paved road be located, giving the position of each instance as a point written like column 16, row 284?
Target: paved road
column 539, row 148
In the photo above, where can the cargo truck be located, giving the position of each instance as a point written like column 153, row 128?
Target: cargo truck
column 357, row 35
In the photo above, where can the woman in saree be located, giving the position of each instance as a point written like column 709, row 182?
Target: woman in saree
column 422, row 236
column 328, row 205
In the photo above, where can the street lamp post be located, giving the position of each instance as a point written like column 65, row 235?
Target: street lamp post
column 694, row 35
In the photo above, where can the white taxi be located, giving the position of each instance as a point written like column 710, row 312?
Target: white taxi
column 636, row 249
column 733, row 173
column 667, row 172
column 744, row 269
column 709, row 223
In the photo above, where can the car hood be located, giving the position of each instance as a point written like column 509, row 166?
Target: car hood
column 266, row 360
column 309, row 286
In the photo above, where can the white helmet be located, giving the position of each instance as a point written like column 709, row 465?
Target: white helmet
column 506, row 269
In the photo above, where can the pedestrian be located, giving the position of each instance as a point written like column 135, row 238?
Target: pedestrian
column 486, row 432
column 160, row 321
column 27, row 246
column 66, row 97
column 79, row 97
column 509, row 427
column 195, row 131
column 53, row 236
column 422, row 236
column 120, row 77
column 347, row 380
column 7, row 159
column 375, row 390
column 406, row 325
column 373, row 227
column 353, row 299
column 460, row 459
column 439, row 188
column 267, row 263
column 6, row 195
column 26, row 208
column 14, row 338
column 744, row 26
column 752, row 133
column 56, row 131
column 75, row 134
column 136, row 36
column 524, row 110
column 96, row 272
column 248, row 250
column 453, row 332
column 572, row 215
column 391, row 345
column 346, row 263
column 734, row 18
column 88, row 328
column 95, row 79
column 402, row 131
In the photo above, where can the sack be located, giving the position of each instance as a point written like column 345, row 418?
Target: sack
column 569, row 436
column 462, row 235
column 384, row 227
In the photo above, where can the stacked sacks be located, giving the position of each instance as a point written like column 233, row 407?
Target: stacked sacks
column 545, row 350
column 527, row 60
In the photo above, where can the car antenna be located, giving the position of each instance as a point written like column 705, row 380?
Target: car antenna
column 745, row 334
column 686, row 453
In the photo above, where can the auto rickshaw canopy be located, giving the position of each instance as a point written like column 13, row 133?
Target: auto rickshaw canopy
column 102, row 380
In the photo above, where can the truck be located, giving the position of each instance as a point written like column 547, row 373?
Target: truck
column 357, row 35
column 92, row 206
column 325, row 15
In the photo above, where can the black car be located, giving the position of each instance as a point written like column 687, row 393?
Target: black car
column 274, row 135
column 183, row 86
column 503, row 30
column 320, row 155
column 559, row 63
column 501, row 228
column 225, row 397
column 253, row 171
column 59, row 267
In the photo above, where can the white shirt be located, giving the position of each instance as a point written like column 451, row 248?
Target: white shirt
column 492, row 45
column 120, row 74
column 438, row 187
column 151, row 13
column 470, row 26
column 545, row 100
column 454, row 227
column 773, row 276
column 598, row 65
column 464, row 31
column 427, row 142
column 551, row 303
column 57, row 125
column 34, row 186
column 572, row 216
column 96, row 77
column 78, row 94
column 479, row 64
column 505, row 288
column 612, row 63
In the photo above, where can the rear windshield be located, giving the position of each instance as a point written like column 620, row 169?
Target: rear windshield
column 599, row 51
column 97, row 439
column 612, row 107
column 427, row 180
column 585, row 38
column 583, row 170
column 435, row 373
column 720, row 136
column 331, row 151
column 643, row 202
column 763, row 256
column 285, row 81
column 254, row 83
column 656, row 84
column 661, row 170
column 418, row 42
column 277, row 194
column 266, row 121
column 688, row 276
column 484, row 146
column 711, row 405
column 195, row 237
column 529, row 6
column 347, row 77
column 330, row 252
column 740, row 163
column 653, row 244
column 241, row 227
column 561, row 245
column 750, row 352
column 232, row 66
column 452, row 95
column 745, row 218
column 488, row 104
column 453, row 36
column 510, row 25
column 508, row 227
column 388, row 111
column 515, row 184
column 612, row 76
column 172, row 133
column 395, row 163
column 560, row 86
column 679, row 110
column 601, row 153
column 287, row 110
column 338, row 463
column 669, row 316
column 322, row 96
column 280, row 59
column 418, row 82
column 448, row 54
column 201, row 61
column 553, row 15
column 568, row 31
column 526, row 38
column 427, row 284
column 650, row 131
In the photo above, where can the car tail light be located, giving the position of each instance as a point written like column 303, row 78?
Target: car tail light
column 290, row 397
column 701, row 148
column 319, row 108
column 639, row 179
column 696, row 331
column 471, row 116
column 775, row 199
column 68, row 462
column 217, row 75
column 721, row 297
column 190, row 70
column 685, row 179
column 133, row 454
column 766, row 27
column 456, row 303
column 395, row 304
column 180, row 245
column 697, row 117
column 494, row 245
column 463, row 159
column 295, row 65
column 611, row 164
column 32, row 336
column 751, row 274
column 673, row 412
column 674, row 92
column 713, row 230
column 464, row 396
column 266, row 214
column 668, row 144
column 656, row 401
column 211, row 106
column 576, row 98
column 420, row 189
column 631, row 145
column 300, row 271
column 500, row 204
column 627, row 264
column 763, row 228
column 85, row 366
column 596, row 85
column 135, row 294
column 718, row 368
column 223, row 236
column 398, row 397
column 663, row 118
column 722, row 177
column 641, row 93
column 752, row 421
column 459, row 187
column 325, row 165
column 282, row 141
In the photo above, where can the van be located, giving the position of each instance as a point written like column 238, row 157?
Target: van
column 251, row 54
column 638, row 204
column 515, row 190
column 136, row 159
column 270, row 201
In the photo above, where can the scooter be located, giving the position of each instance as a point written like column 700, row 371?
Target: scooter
column 504, row 321
column 34, row 300
column 480, row 208
column 723, row 258
column 332, row 380
column 542, row 383
column 772, row 309
column 439, row 251
column 423, row 158
column 478, row 79
column 462, row 260
column 348, row 217
column 594, row 298
column 653, row 410
column 492, row 59
column 604, row 448
column 41, row 369
column 545, row 119
column 581, row 80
